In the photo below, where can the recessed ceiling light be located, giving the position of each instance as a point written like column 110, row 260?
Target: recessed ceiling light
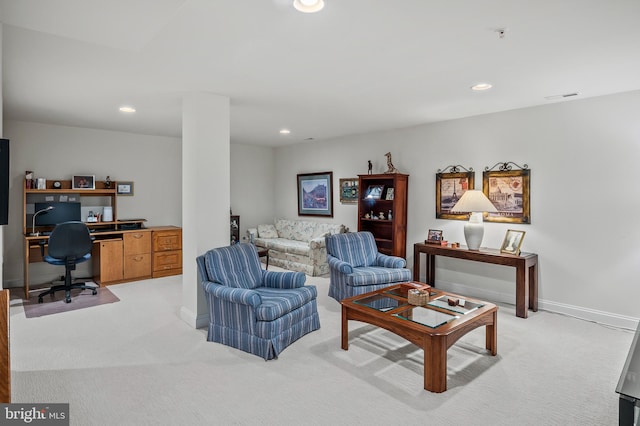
column 481, row 86
column 308, row 6
column 285, row 131
column 127, row 109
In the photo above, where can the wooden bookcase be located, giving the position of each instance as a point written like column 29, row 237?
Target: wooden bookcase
column 390, row 234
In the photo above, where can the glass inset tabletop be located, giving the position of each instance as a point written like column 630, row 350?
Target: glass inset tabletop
column 380, row 302
column 442, row 302
column 425, row 316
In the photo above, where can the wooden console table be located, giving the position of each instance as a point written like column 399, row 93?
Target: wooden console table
column 526, row 265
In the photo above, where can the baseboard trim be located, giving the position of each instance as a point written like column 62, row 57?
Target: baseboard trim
column 195, row 321
column 593, row 315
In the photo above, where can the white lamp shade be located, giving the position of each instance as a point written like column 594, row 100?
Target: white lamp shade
column 474, row 200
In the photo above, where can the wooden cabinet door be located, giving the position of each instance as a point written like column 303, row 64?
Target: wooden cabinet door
column 108, row 261
column 167, row 240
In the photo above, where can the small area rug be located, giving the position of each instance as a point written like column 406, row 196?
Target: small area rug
column 80, row 299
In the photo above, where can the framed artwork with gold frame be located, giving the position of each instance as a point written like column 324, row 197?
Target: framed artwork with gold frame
column 449, row 189
column 508, row 190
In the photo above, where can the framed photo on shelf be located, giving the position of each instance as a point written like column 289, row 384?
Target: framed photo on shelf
column 349, row 190
column 508, row 190
column 449, row 189
column 434, row 236
column 315, row 194
column 512, row 242
column 83, row 182
column 390, row 194
column 374, row 192
column 124, row 188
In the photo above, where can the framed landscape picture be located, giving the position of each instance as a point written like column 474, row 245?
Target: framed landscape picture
column 449, row 189
column 349, row 190
column 315, row 194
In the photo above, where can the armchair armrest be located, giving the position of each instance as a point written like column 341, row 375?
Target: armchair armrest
column 317, row 242
column 387, row 261
column 277, row 279
column 243, row 296
column 335, row 263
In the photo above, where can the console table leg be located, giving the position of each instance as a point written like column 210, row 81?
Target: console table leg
column 522, row 290
column 533, row 287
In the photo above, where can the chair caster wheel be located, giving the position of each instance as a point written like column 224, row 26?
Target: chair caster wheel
column 39, row 299
column 68, row 300
column 95, row 292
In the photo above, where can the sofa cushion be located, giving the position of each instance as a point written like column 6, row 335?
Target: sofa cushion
column 278, row 302
column 369, row 275
column 267, row 231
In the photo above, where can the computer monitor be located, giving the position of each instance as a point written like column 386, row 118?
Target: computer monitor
column 62, row 212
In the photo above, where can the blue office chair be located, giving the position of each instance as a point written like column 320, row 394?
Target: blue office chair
column 69, row 244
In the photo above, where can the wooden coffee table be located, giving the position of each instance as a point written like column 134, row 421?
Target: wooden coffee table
column 434, row 327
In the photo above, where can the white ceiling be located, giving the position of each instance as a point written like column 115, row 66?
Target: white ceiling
column 357, row 66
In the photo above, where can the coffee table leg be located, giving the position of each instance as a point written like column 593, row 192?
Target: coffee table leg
column 435, row 364
column 345, row 329
column 492, row 335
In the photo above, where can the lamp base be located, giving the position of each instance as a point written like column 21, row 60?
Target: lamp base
column 474, row 231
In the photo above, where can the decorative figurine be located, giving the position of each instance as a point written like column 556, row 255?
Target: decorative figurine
column 390, row 167
column 370, row 167
column 107, row 182
column 366, row 216
column 381, row 215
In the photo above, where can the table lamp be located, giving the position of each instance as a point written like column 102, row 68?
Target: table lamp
column 33, row 221
column 475, row 202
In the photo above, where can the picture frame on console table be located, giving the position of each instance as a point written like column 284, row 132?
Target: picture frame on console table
column 315, row 194
column 124, row 188
column 434, row 236
column 512, row 242
column 449, row 189
column 508, row 190
column 83, row 182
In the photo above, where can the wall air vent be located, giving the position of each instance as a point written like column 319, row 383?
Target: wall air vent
column 566, row 95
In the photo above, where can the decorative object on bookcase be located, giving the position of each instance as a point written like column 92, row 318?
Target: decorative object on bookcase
column 28, row 179
column 107, row 182
column 315, row 194
column 370, row 167
column 390, row 233
column 508, row 190
column 349, row 190
column 451, row 183
column 390, row 166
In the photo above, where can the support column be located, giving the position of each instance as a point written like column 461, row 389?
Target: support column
column 206, row 192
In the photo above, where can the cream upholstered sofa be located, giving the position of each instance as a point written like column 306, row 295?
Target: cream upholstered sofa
column 298, row 245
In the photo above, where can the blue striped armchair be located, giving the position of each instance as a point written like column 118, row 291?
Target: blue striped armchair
column 257, row 311
column 356, row 267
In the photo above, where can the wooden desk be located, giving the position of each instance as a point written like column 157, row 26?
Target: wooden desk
column 126, row 250
column 526, row 265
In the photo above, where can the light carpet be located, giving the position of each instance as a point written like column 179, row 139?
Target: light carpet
column 137, row 363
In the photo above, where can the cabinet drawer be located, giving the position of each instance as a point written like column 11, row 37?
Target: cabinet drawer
column 137, row 265
column 167, row 260
column 137, row 242
column 167, row 240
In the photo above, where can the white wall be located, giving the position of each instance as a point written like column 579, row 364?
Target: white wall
column 153, row 163
column 252, row 188
column 583, row 157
